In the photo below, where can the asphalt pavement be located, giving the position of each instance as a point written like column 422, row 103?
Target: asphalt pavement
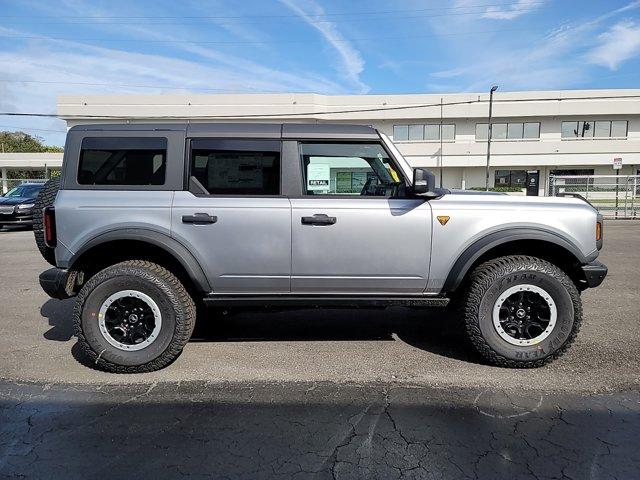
column 320, row 394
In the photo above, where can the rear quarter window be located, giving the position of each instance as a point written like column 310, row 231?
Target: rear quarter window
column 122, row 161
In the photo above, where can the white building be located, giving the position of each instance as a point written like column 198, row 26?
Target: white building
column 554, row 132
column 42, row 163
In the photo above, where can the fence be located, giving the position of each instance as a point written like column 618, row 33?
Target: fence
column 615, row 196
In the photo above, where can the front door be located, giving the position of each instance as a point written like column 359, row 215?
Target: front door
column 533, row 183
column 234, row 219
column 352, row 231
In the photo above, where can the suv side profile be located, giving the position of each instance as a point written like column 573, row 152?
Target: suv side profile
column 151, row 220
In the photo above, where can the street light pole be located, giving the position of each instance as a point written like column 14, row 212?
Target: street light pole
column 493, row 89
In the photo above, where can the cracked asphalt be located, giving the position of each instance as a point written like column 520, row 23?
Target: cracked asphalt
column 334, row 394
column 323, row 431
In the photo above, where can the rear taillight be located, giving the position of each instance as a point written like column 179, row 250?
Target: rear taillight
column 49, row 225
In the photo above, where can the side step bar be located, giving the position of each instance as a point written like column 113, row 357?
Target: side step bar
column 316, row 301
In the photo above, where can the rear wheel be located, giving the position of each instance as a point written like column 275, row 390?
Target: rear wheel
column 521, row 311
column 45, row 198
column 133, row 317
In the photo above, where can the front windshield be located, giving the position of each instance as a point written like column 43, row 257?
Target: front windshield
column 24, row 191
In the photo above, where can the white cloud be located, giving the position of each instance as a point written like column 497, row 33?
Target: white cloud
column 351, row 62
column 513, row 11
column 555, row 61
column 621, row 42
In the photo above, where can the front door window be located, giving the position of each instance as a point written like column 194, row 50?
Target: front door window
column 361, row 169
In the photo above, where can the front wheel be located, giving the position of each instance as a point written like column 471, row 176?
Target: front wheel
column 133, row 317
column 521, row 311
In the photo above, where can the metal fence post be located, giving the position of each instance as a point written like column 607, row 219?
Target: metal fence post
column 5, row 185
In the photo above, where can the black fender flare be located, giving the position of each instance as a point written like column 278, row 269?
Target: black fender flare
column 474, row 251
column 165, row 242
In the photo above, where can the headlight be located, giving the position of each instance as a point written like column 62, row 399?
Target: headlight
column 25, row 206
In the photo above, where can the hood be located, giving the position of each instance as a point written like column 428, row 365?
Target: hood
column 16, row 200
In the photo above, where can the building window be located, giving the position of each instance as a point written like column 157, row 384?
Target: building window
column 499, row 131
column 510, row 178
column 515, row 131
column 432, row 132
column 603, row 129
column 508, row 131
column 448, row 132
column 531, row 130
column 598, row 129
column 416, row 133
column 424, row 132
column 401, row 133
column 619, row 129
column 482, row 131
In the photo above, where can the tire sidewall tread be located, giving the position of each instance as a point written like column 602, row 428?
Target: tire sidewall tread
column 177, row 307
column 493, row 277
column 45, row 198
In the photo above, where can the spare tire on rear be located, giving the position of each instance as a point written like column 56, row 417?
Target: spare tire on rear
column 45, row 198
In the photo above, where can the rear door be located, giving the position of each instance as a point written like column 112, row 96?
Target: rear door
column 353, row 230
column 234, row 219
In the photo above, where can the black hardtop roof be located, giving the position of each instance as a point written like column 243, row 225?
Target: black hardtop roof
column 320, row 131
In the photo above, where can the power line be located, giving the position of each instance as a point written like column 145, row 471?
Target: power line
column 203, row 20
column 16, row 127
column 218, row 17
column 208, row 42
column 334, row 112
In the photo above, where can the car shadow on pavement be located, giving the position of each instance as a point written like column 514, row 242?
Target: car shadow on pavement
column 436, row 331
column 59, row 313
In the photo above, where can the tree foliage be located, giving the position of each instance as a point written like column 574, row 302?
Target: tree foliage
column 20, row 142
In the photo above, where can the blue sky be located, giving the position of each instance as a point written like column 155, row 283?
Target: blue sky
column 50, row 47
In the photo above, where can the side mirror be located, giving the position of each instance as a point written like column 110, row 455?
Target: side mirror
column 424, row 183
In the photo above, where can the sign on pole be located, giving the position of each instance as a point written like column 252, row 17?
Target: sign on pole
column 617, row 163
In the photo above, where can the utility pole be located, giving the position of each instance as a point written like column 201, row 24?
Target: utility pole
column 493, row 89
column 441, row 156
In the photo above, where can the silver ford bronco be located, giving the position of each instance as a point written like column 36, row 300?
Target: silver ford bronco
column 149, row 221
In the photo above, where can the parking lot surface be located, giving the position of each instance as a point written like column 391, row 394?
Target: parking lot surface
column 395, row 345
column 324, row 394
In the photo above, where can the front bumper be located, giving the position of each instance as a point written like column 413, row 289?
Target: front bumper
column 594, row 273
column 16, row 219
column 58, row 283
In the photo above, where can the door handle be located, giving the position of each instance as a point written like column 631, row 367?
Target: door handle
column 318, row 219
column 199, row 218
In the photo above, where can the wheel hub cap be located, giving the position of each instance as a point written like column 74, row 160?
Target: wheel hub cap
column 524, row 315
column 129, row 320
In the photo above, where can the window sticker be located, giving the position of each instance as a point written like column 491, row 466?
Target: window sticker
column 318, row 176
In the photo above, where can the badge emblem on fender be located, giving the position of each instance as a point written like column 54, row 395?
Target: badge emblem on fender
column 443, row 219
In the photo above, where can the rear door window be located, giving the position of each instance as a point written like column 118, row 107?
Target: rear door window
column 123, row 161
column 237, row 167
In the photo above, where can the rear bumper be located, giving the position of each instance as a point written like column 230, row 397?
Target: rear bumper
column 594, row 273
column 58, row 283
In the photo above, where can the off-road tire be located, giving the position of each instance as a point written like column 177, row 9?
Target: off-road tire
column 45, row 198
column 492, row 278
column 177, row 309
